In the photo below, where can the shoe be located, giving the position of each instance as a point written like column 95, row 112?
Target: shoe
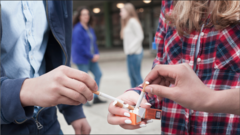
column 87, row 104
column 98, row 101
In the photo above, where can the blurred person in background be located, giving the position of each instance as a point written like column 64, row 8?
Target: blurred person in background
column 85, row 53
column 132, row 35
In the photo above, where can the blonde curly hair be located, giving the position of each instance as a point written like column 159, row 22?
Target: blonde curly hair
column 188, row 16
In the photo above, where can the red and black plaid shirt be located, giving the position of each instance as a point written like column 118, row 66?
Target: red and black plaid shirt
column 217, row 65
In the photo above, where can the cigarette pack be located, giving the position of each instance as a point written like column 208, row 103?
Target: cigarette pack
column 137, row 115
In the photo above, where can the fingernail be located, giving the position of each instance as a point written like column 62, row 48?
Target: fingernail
column 127, row 114
column 96, row 88
column 128, row 121
column 151, row 90
column 149, row 121
column 143, row 125
column 148, row 104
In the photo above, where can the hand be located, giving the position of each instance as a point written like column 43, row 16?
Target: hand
column 81, row 127
column 95, row 58
column 188, row 90
column 130, row 98
column 63, row 85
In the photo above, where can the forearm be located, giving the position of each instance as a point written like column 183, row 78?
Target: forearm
column 226, row 101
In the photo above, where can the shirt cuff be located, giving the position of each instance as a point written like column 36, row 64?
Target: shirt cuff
column 11, row 107
column 72, row 113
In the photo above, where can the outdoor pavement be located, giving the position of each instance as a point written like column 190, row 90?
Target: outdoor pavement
column 114, row 82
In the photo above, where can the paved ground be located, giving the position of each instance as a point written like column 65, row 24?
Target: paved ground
column 114, row 82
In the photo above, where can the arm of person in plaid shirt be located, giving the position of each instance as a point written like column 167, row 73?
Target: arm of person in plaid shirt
column 190, row 92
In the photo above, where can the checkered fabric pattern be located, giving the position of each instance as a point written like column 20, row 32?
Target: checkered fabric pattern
column 217, row 65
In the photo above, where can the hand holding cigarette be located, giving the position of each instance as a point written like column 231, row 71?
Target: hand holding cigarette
column 121, row 116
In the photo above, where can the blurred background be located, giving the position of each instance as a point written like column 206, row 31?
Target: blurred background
column 106, row 19
column 115, row 79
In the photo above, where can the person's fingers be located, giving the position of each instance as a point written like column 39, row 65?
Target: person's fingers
column 77, row 131
column 147, row 121
column 118, row 120
column 82, row 77
column 159, row 98
column 79, row 87
column 132, row 127
column 73, row 95
column 132, row 100
column 145, row 104
column 118, row 111
column 86, row 130
column 124, row 122
column 156, row 81
column 160, row 91
column 171, row 71
column 66, row 101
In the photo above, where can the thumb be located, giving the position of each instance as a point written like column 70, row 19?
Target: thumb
column 160, row 91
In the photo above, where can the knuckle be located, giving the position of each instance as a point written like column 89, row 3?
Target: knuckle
column 75, row 103
column 95, row 85
column 183, row 69
column 82, row 88
column 55, row 87
column 56, row 100
column 62, row 68
column 184, row 66
column 59, row 77
column 77, row 97
column 84, row 75
column 90, row 97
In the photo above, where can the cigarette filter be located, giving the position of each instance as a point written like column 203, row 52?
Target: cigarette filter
column 141, row 95
column 126, row 106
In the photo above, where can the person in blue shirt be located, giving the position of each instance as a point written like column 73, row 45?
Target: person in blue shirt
column 35, row 77
column 85, row 53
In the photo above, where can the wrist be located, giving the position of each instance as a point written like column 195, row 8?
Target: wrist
column 209, row 101
column 25, row 93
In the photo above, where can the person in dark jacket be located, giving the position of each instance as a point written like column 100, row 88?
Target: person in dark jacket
column 85, row 53
column 35, row 41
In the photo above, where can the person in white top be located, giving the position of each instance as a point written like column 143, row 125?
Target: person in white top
column 132, row 35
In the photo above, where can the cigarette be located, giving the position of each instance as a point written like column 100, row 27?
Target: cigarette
column 107, row 96
column 141, row 95
column 126, row 106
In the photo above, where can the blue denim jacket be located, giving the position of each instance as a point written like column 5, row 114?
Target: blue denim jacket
column 18, row 120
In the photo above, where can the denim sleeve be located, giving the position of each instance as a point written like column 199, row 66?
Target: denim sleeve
column 71, row 113
column 11, row 107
